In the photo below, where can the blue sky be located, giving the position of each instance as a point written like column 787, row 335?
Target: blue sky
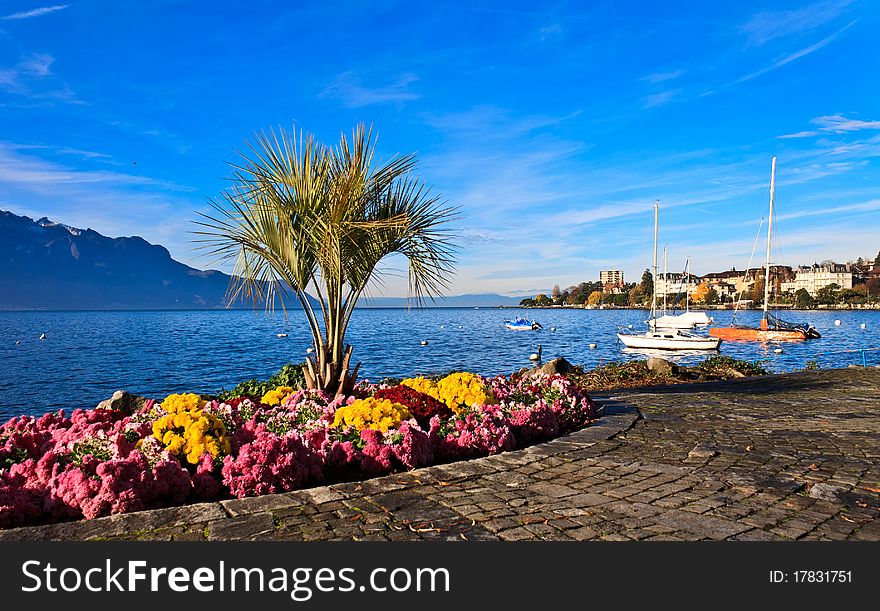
column 554, row 126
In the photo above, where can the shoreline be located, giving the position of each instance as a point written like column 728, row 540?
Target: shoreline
column 728, row 307
column 871, row 307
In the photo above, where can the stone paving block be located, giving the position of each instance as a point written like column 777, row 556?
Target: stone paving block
column 242, row 528
column 709, row 527
column 258, row 504
column 516, row 534
column 552, row 490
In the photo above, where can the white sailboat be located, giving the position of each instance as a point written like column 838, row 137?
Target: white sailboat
column 664, row 339
column 685, row 320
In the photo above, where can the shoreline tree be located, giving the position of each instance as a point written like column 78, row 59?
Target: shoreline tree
column 310, row 222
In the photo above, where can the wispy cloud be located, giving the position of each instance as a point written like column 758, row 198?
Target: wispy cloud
column 779, row 63
column 32, row 78
column 349, row 89
column 36, row 66
column 804, row 134
column 550, row 31
column 660, row 77
column 833, row 124
column 769, row 25
column 824, row 210
column 659, row 99
column 37, row 12
column 838, row 124
column 66, row 150
column 33, row 173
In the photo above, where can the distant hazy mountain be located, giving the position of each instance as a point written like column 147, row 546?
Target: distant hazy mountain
column 47, row 265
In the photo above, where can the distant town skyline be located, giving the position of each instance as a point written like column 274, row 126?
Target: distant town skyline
column 553, row 129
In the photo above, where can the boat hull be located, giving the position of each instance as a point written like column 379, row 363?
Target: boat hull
column 657, row 342
column 758, row 335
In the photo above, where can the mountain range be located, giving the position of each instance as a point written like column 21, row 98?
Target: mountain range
column 45, row 265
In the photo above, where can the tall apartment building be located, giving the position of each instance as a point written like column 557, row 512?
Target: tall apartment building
column 613, row 277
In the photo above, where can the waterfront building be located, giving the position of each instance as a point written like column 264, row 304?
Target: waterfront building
column 675, row 283
column 726, row 290
column 614, row 277
column 814, row 277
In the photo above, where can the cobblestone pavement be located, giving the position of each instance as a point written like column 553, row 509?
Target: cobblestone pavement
column 782, row 457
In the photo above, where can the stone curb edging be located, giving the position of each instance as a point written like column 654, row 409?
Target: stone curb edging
column 208, row 520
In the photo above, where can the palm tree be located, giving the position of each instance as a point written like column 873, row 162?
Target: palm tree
column 306, row 221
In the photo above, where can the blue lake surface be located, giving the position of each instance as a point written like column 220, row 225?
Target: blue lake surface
column 86, row 356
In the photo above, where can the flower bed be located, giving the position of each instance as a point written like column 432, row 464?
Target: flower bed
column 188, row 449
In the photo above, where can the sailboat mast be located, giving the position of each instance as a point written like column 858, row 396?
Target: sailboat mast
column 665, row 281
column 687, row 282
column 769, row 233
column 654, row 266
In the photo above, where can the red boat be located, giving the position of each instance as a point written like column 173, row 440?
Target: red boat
column 771, row 328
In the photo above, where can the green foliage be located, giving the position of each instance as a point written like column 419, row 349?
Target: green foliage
column 812, row 366
column 647, row 283
column 802, row 299
column 528, row 301
column 18, row 455
column 721, row 362
column 289, row 375
column 852, row 296
column 301, row 214
column 617, row 299
column 616, row 375
column 97, row 447
column 828, row 294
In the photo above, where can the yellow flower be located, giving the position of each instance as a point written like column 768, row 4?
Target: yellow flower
column 275, row 397
column 371, row 413
column 461, row 391
column 186, row 402
column 190, row 434
column 423, row 385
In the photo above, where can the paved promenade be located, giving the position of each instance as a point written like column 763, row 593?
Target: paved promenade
column 794, row 456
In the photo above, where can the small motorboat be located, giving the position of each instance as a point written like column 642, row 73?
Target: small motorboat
column 522, row 324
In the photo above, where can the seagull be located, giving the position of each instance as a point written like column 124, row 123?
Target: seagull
column 42, row 336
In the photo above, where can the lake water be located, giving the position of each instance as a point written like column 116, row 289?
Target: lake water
column 88, row 355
